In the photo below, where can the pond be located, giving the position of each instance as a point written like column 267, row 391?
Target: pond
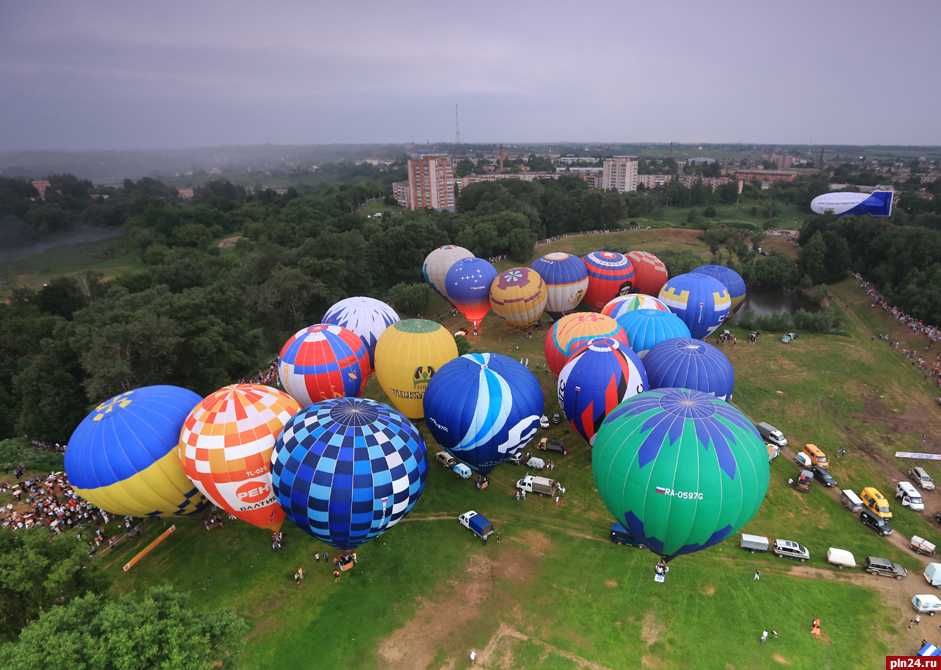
column 767, row 301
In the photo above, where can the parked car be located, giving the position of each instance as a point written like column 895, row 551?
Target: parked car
column 516, row 459
column 909, row 496
column 788, row 549
column 876, row 523
column 555, row 446
column 544, row 421
column 556, row 418
column 920, row 477
column 884, row 567
column 771, row 434
column 621, row 535
column 445, row 459
column 823, row 476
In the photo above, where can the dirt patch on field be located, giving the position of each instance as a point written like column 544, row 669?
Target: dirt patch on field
column 229, row 242
column 610, row 582
column 709, row 590
column 651, row 629
column 780, row 659
column 651, row 662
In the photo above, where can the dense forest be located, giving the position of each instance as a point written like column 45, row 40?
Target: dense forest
column 200, row 318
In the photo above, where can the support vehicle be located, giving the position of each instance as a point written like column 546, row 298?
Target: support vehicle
column 909, row 496
column 771, row 434
column 877, row 523
column 933, row 575
column 534, row 484
column 477, row 524
column 883, row 566
column 922, row 546
column 553, row 445
column 462, row 471
column 446, row 459
column 621, row 535
column 556, row 418
column 817, row 457
column 788, row 549
column 927, row 604
column 823, row 476
column 535, row 463
column 754, row 543
column 805, row 479
column 876, row 503
column 851, row 501
column 920, row 477
column 544, row 421
column 773, row 451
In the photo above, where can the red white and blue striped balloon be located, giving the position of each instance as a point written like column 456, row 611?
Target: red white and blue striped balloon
column 595, row 380
column 610, row 274
column 323, row 362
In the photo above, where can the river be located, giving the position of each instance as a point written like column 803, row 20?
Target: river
column 767, row 301
column 79, row 236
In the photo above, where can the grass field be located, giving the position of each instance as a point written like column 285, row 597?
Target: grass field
column 554, row 593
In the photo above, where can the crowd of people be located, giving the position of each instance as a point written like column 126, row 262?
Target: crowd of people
column 921, row 360
column 50, row 446
column 267, row 377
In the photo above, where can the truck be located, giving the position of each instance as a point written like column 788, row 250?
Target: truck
column 477, row 524
column 771, row 434
column 540, row 485
column 553, row 445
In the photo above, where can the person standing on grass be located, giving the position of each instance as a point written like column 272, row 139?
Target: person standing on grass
column 473, row 657
column 336, row 576
column 757, row 577
column 317, row 556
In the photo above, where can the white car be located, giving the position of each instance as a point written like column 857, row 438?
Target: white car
column 544, row 421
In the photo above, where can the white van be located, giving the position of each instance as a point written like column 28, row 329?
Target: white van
column 841, row 557
column 910, row 497
column 926, row 604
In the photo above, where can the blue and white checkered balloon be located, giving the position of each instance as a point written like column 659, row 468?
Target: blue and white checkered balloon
column 346, row 470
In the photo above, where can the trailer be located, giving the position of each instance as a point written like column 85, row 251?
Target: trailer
column 754, row 543
column 851, row 501
column 922, row 546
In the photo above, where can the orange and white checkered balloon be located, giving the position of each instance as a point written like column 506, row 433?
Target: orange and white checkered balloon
column 226, row 445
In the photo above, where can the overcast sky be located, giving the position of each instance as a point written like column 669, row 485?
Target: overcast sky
column 128, row 75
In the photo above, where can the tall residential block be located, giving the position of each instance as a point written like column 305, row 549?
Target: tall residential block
column 619, row 173
column 430, row 182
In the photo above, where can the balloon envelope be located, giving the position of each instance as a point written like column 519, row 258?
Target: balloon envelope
column 595, row 380
column 690, row 364
column 468, row 284
column 367, row 317
column 483, row 409
column 225, row 447
column 627, row 303
column 323, row 361
column 347, row 470
column 408, row 355
column 701, row 301
column 681, row 470
column 610, row 274
column 567, row 279
column 438, row 262
column 729, row 278
column 518, row 297
column 650, row 274
column 646, row 328
column 572, row 331
column 123, row 456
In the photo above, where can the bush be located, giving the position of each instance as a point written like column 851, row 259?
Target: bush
column 824, row 321
column 820, row 292
column 18, row 450
column 463, row 345
column 409, row 298
column 710, row 212
column 769, row 323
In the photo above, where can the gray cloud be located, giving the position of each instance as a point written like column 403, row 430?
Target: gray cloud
column 174, row 74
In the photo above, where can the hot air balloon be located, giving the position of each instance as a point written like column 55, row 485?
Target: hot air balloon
column 690, row 364
column 225, row 447
column 646, row 328
column 680, row 469
column 323, row 361
column 729, row 278
column 483, row 409
column 407, row 356
column 701, row 301
column 347, row 470
column 610, row 274
column 595, row 380
column 367, row 317
column 438, row 262
column 567, row 279
column 468, row 285
column 123, row 456
column 650, row 274
column 518, row 296
column 572, row 331
column 628, row 303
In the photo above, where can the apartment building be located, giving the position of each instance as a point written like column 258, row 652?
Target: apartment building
column 619, row 173
column 430, row 182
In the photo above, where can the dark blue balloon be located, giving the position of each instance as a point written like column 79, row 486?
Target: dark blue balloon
column 483, row 408
column 346, row 470
column 690, row 364
column 729, row 278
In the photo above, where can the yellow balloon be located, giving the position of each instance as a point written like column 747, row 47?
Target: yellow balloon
column 518, row 296
column 408, row 354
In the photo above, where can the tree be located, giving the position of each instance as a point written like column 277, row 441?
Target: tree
column 811, row 259
column 37, row 575
column 409, row 298
column 613, row 209
column 158, row 631
column 463, row 345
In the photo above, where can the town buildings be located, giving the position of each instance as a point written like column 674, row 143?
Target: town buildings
column 430, row 182
column 619, row 173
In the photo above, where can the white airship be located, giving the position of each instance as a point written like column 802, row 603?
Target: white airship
column 877, row 203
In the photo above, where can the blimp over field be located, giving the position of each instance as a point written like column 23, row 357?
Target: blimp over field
column 877, row 203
